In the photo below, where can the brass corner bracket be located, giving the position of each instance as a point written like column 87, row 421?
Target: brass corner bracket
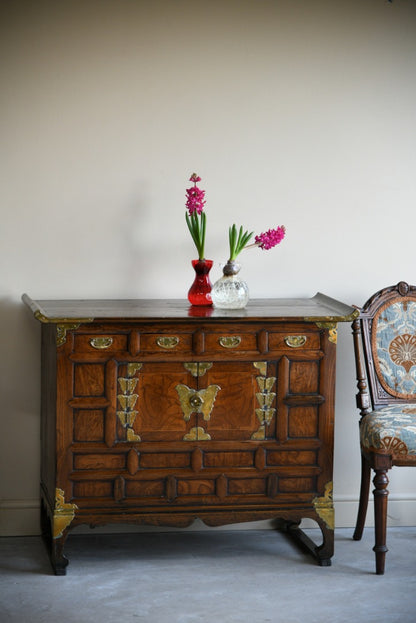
column 63, row 514
column 332, row 330
column 61, row 330
column 324, row 506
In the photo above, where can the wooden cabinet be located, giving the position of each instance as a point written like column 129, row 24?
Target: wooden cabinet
column 159, row 413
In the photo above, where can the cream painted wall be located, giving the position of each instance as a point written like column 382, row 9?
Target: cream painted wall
column 293, row 112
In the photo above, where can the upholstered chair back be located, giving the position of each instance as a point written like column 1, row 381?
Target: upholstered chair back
column 389, row 340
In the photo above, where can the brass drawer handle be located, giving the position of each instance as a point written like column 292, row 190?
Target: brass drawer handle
column 167, row 342
column 230, row 341
column 101, row 343
column 295, row 341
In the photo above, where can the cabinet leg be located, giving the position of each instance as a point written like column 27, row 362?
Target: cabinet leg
column 324, row 552
column 45, row 524
column 58, row 560
column 55, row 546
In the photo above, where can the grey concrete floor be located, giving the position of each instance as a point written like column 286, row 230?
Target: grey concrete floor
column 240, row 576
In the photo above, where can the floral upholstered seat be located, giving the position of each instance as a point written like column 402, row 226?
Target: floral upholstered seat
column 385, row 355
column 392, row 428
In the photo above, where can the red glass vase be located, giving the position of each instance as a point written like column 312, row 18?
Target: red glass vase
column 200, row 291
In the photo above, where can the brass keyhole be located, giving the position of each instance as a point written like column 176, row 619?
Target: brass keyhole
column 195, row 401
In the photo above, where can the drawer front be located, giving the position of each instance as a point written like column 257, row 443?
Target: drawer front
column 109, row 343
column 228, row 342
column 261, row 340
column 223, row 340
column 186, row 459
column 173, row 342
column 194, row 474
column 101, row 343
column 201, row 490
column 294, row 340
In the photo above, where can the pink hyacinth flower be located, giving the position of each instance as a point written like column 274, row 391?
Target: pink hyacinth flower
column 195, row 200
column 194, row 178
column 270, row 238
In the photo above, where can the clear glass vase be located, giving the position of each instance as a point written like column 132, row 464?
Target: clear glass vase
column 230, row 291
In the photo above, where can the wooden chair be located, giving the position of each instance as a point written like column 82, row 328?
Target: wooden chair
column 385, row 354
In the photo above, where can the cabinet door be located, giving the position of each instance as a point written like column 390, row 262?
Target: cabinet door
column 118, row 402
column 244, row 407
column 149, row 407
column 220, row 401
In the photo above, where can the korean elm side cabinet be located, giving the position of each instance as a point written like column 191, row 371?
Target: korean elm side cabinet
column 158, row 413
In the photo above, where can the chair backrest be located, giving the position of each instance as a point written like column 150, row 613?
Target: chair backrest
column 387, row 324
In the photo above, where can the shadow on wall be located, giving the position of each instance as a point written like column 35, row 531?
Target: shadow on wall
column 20, row 401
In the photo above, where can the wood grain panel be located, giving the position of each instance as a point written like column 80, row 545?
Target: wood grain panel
column 247, row 486
column 88, row 425
column 304, row 377
column 89, row 379
column 160, row 460
column 195, row 487
column 99, row 461
column 144, row 488
column 228, row 459
column 291, row 457
column 93, row 489
column 296, row 485
column 234, row 412
column 160, row 415
column 303, row 422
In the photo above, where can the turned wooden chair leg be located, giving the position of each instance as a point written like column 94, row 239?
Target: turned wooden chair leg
column 380, row 518
column 364, row 493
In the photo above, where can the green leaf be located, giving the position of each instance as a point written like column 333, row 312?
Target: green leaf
column 197, row 228
column 237, row 241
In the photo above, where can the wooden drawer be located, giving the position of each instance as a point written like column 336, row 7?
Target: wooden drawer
column 101, row 342
column 227, row 342
column 175, row 489
column 165, row 342
column 296, row 340
column 221, row 341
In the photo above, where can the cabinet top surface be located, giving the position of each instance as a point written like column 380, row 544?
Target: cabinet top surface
column 318, row 308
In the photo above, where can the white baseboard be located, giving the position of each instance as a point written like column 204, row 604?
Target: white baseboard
column 21, row 517
column 401, row 510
